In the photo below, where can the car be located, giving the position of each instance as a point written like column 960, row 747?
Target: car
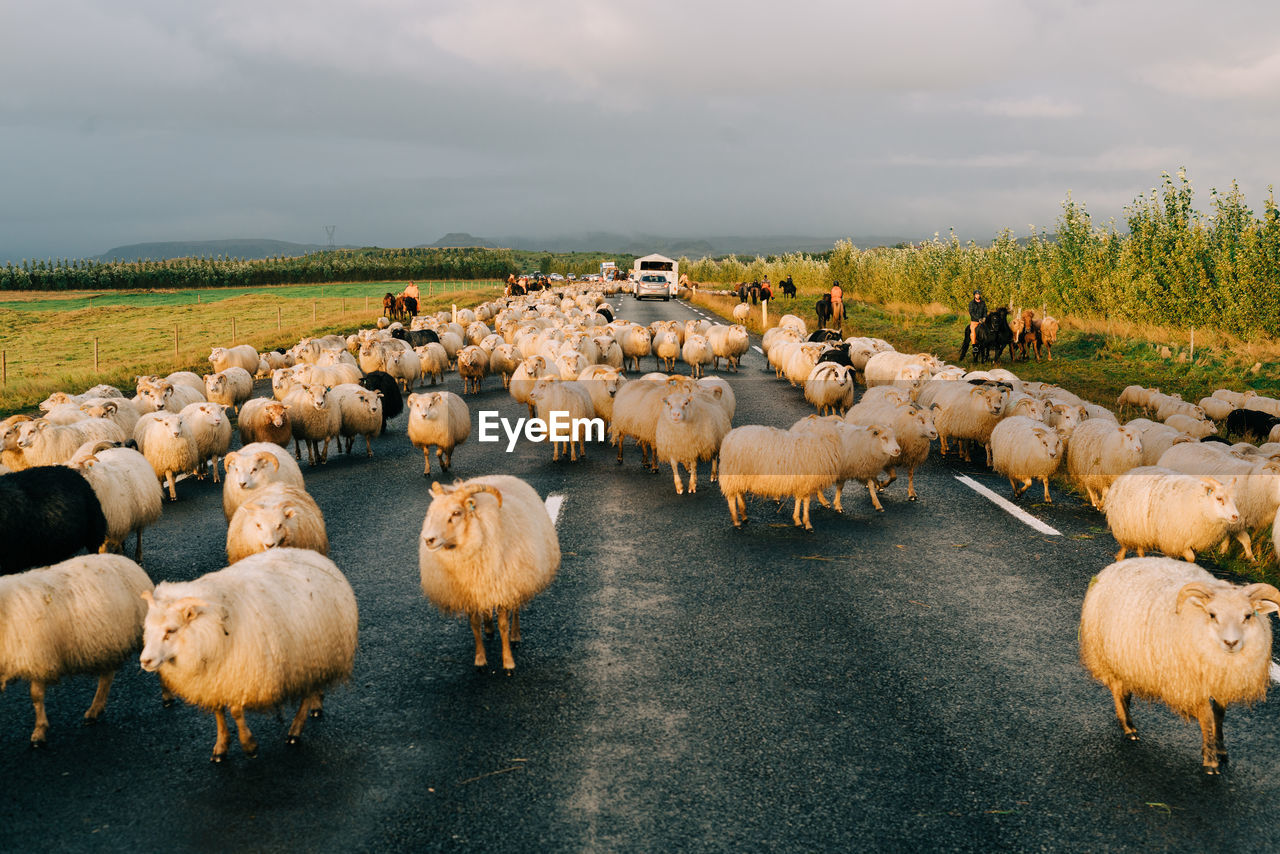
column 556, row 277
column 652, row 285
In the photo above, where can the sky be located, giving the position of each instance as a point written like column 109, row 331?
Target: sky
column 400, row 120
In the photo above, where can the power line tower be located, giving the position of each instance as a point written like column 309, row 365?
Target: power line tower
column 329, row 230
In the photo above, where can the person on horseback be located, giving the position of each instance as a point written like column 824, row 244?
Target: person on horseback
column 837, row 305
column 977, row 313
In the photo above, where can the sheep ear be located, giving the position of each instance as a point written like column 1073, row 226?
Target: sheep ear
column 271, row 458
column 1196, row 593
column 1265, row 598
column 290, row 512
column 147, row 597
column 470, row 505
column 718, row 392
column 191, row 607
column 436, row 489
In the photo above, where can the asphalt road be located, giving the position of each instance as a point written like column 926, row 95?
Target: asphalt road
column 902, row 681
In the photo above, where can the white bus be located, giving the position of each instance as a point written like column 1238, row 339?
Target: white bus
column 658, row 265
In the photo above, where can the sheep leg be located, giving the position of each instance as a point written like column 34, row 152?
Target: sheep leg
column 300, row 719
column 1121, row 698
column 224, row 736
column 892, row 471
column 515, row 625
column 675, row 475
column 1189, row 556
column 137, row 551
column 41, row 732
column 807, row 526
column 504, row 629
column 1220, row 745
column 1242, row 537
column 488, row 624
column 1047, row 498
column 99, row 698
column 875, row 499
column 1122, row 552
column 692, row 468
column 911, row 485
column 1209, row 734
column 715, row 467
column 795, row 514
column 476, row 630
column 822, row 498
column 368, row 446
column 297, row 449
column 426, row 461
column 446, row 457
column 621, row 441
column 324, row 452
column 247, row 742
column 173, row 486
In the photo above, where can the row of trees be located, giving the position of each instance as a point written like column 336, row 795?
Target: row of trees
column 1170, row 264
column 355, row 265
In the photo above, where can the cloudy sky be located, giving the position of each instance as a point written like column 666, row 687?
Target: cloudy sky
column 399, row 120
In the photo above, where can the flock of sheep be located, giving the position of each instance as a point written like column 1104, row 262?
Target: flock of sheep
column 88, row 473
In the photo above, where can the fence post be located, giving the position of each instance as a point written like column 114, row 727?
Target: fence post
column 278, row 327
column 455, row 312
column 95, row 355
column 313, row 311
column 197, row 297
column 233, row 330
column 366, row 302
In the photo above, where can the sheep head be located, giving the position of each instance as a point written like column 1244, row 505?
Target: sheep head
column 1227, row 617
column 451, row 513
column 173, row 626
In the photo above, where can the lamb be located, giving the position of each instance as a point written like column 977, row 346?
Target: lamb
column 230, row 387
column 551, row 395
column 696, row 352
column 829, row 387
column 47, row 514
column 912, row 428
column 690, row 429
column 1175, row 406
column 487, row 543
column 273, row 627
column 730, row 343
column 264, row 419
column 1135, row 395
column 313, row 417
column 126, row 487
column 276, row 516
column 1023, row 449
column 1167, row 630
column 253, row 467
column 241, row 356
column 83, row 615
column 439, row 418
column 1156, row 508
column 361, row 415
column 777, row 463
column 212, row 431
column 1098, row 453
column 169, row 445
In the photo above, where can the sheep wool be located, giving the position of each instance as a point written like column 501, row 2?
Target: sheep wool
column 276, row 516
column 773, row 463
column 1154, row 508
column 439, row 418
column 127, row 488
column 1023, row 449
column 690, row 429
column 253, row 467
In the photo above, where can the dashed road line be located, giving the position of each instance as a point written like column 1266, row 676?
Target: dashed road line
column 757, row 349
column 553, row 507
column 1009, row 507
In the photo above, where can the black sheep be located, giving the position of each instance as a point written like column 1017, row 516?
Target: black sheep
column 416, row 337
column 47, row 514
column 839, row 355
column 825, row 335
column 1251, row 424
column 604, row 312
column 392, row 403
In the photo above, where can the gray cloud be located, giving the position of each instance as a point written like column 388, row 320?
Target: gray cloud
column 400, row 120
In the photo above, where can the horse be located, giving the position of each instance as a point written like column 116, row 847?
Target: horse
column 823, row 309
column 409, row 306
column 754, row 292
column 787, row 287
column 389, row 305
column 993, row 334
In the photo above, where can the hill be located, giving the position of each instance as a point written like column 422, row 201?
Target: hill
column 460, row 239
column 250, row 248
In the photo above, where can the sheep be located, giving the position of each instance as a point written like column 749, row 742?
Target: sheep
column 636, row 343
column 168, row 396
column 696, row 352
column 636, row 409
column 212, row 431
column 774, row 463
column 1152, row 507
column 439, row 418
column 385, row 385
column 273, row 627
column 230, row 387
column 361, row 415
column 798, row 360
column 865, row 452
column 730, row 343
column 265, row 419
column 169, row 445
column 253, row 467
column 1167, row 630
column 11, row 456
column 741, row 312
column 1251, row 424
column 1048, row 336
column 666, row 348
column 61, row 398
column 47, row 514
column 313, row 416
column 887, row 368
column 1193, row 427
column 1215, row 408
column 276, row 516
column 690, row 429
column 912, row 428
column 112, row 409
column 1093, row 410
column 1259, row 403
column 46, row 444
column 524, row 378
column 80, row 616
column 1156, row 439
column 970, row 412
column 1135, row 395
column 1254, row 483
column 66, row 413
column 504, row 360
column 1023, row 449
column 602, row 383
column 1174, row 406
column 552, row 395
column 473, row 364
column 570, row 363
column 487, row 543
column 241, row 356
column 829, row 387
column 127, row 488
column 1098, row 453
column 331, row 375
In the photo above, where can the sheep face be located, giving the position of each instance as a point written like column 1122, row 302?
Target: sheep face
column 318, row 395
column 212, row 414
column 217, row 355
column 1221, row 500
column 27, row 432
column 271, row 525
column 178, row 632
column 428, row 407
column 888, row 442
column 1227, row 621
column 250, row 472
column 675, row 407
column 453, row 513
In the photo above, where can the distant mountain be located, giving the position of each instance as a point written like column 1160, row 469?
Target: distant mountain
column 236, row 248
column 460, row 239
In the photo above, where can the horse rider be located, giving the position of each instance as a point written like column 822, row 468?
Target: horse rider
column 977, row 313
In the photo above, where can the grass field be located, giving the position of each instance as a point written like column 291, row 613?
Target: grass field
column 48, row 339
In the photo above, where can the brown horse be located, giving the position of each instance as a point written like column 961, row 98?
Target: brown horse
column 389, row 305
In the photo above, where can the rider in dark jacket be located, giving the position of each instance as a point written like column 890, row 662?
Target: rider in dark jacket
column 977, row 311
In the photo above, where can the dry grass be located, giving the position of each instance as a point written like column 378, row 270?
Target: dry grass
column 53, row 350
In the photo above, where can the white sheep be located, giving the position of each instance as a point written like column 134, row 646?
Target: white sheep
column 865, row 452
column 264, row 419
column 602, row 383
column 487, row 544
column 504, row 360
column 209, row 424
column 666, row 347
column 741, row 312
column 1099, row 452
column 1152, row 507
column 127, row 488
column 313, row 417
column 253, row 467
column 551, row 395
column 1167, row 630
column 636, row 343
column 912, row 428
column 773, row 463
column 690, row 429
column 696, row 353
column 276, row 516
column 968, row 412
column 169, row 445
column 168, row 395
column 1196, row 428
column 1252, row 482
column 636, row 409
column 829, row 387
column 46, row 444
column 361, row 415
column 473, row 365
column 230, row 387
column 83, row 615
column 113, row 409
column 526, row 375
column 730, row 343
column 439, row 418
column 1023, row 449
column 1215, row 408
column 241, row 356
column 274, row 627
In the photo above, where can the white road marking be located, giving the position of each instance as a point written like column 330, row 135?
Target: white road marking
column 553, row 507
column 757, row 349
column 1009, row 507
column 1275, row 672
